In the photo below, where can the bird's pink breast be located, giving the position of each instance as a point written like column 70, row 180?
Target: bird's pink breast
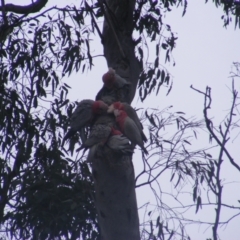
column 115, row 132
column 121, row 120
column 118, row 105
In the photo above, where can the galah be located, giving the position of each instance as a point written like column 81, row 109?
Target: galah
column 115, row 88
column 119, row 142
column 83, row 116
column 99, row 135
column 129, row 128
column 131, row 113
column 111, row 95
column 113, row 80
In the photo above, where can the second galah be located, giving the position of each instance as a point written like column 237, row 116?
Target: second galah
column 113, row 80
column 119, row 142
column 129, row 128
column 131, row 113
column 83, row 116
column 99, row 135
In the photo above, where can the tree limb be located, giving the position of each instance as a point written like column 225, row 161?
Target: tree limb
column 3, row 11
column 31, row 8
column 94, row 21
column 209, row 123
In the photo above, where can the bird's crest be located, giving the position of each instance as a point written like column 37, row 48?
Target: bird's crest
column 109, row 77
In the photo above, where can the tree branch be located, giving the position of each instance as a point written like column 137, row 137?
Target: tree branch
column 209, row 122
column 3, row 11
column 94, row 21
column 31, row 8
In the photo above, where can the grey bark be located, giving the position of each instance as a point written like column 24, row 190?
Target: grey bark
column 115, row 197
column 113, row 172
column 119, row 47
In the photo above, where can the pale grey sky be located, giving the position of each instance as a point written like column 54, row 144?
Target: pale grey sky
column 204, row 55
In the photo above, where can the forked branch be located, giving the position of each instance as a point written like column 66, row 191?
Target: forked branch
column 209, row 124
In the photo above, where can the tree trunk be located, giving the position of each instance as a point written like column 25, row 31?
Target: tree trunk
column 115, row 197
column 119, row 47
column 113, row 173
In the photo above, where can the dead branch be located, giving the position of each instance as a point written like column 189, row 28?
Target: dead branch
column 209, row 124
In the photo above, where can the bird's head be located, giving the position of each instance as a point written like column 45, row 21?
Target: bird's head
column 118, row 105
column 99, row 107
column 109, row 78
column 120, row 118
column 119, row 113
column 115, row 105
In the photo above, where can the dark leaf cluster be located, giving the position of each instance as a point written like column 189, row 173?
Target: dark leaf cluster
column 148, row 18
column 43, row 193
column 230, row 8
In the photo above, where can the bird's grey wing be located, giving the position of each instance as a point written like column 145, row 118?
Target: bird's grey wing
column 120, row 143
column 133, row 115
column 82, row 115
column 98, row 134
column 132, row 132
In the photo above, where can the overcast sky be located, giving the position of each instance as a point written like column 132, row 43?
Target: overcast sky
column 204, row 54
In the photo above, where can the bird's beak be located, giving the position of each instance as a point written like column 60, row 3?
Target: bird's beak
column 116, row 112
column 110, row 109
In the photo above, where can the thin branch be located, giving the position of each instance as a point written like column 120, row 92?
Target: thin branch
column 222, row 144
column 209, row 127
column 36, row 16
column 93, row 18
column 4, row 12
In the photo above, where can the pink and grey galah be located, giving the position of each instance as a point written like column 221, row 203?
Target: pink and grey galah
column 119, row 142
column 83, row 116
column 113, row 80
column 99, row 135
column 129, row 128
column 102, row 134
column 115, row 88
column 131, row 113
